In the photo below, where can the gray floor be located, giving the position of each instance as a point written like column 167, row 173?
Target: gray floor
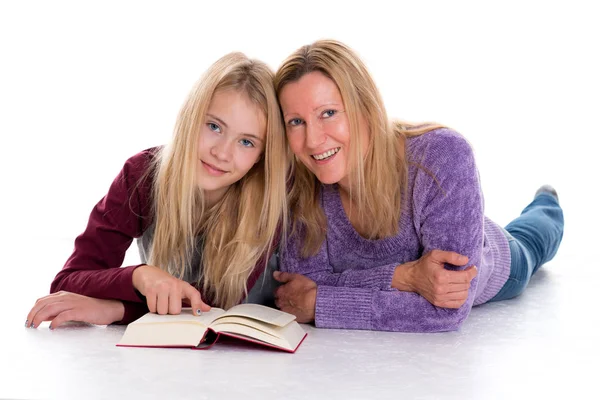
column 540, row 344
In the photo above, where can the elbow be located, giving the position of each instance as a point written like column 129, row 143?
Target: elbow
column 444, row 319
column 455, row 324
column 454, row 318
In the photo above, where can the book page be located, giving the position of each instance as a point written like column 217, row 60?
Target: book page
column 288, row 337
column 260, row 313
column 184, row 334
column 182, row 330
column 186, row 316
column 269, row 329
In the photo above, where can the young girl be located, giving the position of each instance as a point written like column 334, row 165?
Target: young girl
column 205, row 210
column 380, row 208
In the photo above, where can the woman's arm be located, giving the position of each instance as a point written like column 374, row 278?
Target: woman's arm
column 450, row 213
column 321, row 272
column 425, row 276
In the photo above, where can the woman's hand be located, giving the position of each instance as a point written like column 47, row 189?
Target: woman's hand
column 61, row 307
column 164, row 292
column 297, row 295
column 428, row 277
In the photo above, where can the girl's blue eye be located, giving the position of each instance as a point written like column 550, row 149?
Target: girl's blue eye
column 294, row 122
column 246, row 143
column 214, row 127
column 328, row 113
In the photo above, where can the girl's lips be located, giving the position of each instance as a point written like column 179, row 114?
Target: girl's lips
column 212, row 170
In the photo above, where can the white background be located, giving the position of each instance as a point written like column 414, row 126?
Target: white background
column 85, row 85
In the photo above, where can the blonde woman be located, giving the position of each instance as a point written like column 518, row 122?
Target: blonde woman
column 205, row 210
column 383, row 211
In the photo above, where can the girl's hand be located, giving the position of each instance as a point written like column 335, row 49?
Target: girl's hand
column 61, row 307
column 428, row 277
column 164, row 292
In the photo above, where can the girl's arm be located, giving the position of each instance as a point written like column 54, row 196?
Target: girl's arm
column 119, row 217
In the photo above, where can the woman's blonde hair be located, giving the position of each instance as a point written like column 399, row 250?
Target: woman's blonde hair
column 234, row 233
column 376, row 180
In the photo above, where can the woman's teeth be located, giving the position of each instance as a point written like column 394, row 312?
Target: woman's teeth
column 325, row 155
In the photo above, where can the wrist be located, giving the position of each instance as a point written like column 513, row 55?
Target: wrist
column 402, row 278
column 118, row 310
column 135, row 277
column 314, row 304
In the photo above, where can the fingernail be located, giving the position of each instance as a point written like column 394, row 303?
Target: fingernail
column 32, row 325
column 26, row 322
column 276, row 273
column 199, row 312
column 51, row 328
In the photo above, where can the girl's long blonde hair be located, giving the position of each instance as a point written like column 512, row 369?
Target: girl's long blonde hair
column 243, row 225
column 378, row 179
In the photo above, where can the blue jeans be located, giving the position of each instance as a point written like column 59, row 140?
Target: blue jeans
column 533, row 239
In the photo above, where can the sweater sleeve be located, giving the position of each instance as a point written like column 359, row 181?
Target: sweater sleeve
column 449, row 216
column 119, row 217
column 319, row 269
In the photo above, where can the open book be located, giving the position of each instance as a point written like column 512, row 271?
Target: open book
column 251, row 322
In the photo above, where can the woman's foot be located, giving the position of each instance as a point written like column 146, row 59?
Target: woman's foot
column 548, row 190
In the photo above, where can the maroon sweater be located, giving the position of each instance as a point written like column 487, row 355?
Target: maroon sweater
column 124, row 213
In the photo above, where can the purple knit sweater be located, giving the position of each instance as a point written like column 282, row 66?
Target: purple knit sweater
column 354, row 274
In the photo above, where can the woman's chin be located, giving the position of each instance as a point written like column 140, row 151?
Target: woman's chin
column 328, row 179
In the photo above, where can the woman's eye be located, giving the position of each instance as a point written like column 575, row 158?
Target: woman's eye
column 246, row 143
column 214, row 127
column 328, row 113
column 294, row 122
